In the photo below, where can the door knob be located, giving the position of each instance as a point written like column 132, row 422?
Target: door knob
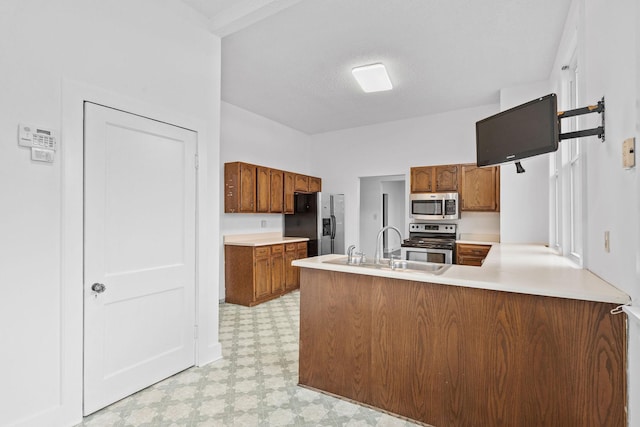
column 98, row 288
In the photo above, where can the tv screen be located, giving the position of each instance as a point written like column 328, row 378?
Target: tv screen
column 523, row 131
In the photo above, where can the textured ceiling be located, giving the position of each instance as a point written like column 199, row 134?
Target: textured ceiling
column 294, row 64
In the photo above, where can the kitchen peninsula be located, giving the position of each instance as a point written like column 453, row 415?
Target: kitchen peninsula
column 526, row 339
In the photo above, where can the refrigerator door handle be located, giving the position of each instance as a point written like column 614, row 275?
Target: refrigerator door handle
column 333, row 227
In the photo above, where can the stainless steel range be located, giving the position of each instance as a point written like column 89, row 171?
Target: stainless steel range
column 430, row 243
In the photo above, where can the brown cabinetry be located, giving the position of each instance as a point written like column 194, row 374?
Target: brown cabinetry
column 257, row 274
column 480, row 188
column 289, row 190
column 251, row 188
column 301, row 183
column 239, row 187
column 435, row 179
column 293, row 251
column 471, row 254
column 277, row 269
column 315, row 184
column 276, row 194
column 263, row 189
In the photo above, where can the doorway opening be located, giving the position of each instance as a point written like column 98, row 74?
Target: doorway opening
column 382, row 203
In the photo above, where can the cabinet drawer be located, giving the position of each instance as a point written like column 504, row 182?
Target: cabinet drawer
column 470, row 260
column 289, row 247
column 277, row 249
column 470, row 254
column 262, row 251
column 301, row 246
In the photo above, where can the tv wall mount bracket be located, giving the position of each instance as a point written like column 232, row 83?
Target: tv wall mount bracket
column 599, row 131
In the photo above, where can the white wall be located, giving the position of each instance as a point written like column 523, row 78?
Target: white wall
column 608, row 61
column 342, row 157
column 153, row 52
column 524, row 197
column 248, row 137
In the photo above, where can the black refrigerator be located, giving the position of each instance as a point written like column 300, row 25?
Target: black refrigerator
column 319, row 217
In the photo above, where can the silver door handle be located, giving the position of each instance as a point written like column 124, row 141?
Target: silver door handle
column 98, row 288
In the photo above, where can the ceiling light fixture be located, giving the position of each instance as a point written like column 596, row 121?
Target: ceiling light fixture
column 372, row 78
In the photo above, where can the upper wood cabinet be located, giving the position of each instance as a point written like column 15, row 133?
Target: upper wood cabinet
column 435, row 179
column 239, row 187
column 422, row 179
column 251, row 188
column 315, row 184
column 480, row 188
column 289, row 190
column 263, row 189
column 301, row 183
column 446, row 178
column 276, row 197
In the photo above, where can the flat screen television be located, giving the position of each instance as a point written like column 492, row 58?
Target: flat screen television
column 524, row 131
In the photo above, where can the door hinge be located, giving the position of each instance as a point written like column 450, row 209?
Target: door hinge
column 195, row 332
column 196, row 161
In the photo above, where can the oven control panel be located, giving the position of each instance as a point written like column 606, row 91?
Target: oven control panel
column 432, row 228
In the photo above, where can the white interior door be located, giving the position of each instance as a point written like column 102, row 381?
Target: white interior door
column 139, row 253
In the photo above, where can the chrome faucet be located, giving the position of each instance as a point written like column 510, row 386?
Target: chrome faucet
column 378, row 255
column 350, row 254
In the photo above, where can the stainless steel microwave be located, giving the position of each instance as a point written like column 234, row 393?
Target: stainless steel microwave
column 434, row 206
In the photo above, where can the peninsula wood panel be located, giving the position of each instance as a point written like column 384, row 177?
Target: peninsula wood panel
column 456, row 356
column 335, row 336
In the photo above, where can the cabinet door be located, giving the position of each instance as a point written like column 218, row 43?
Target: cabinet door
column 291, row 272
column 247, row 190
column 422, row 179
column 446, row 178
column 302, row 183
column 231, row 187
column 289, row 186
column 277, row 269
column 480, row 188
column 263, row 191
column 301, row 252
column 276, row 197
column 315, row 184
column 262, row 273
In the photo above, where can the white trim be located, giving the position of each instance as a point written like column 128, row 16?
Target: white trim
column 73, row 95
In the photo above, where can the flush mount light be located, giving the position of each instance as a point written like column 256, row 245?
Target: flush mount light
column 372, row 78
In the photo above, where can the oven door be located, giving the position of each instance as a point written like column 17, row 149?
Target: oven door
column 439, row 256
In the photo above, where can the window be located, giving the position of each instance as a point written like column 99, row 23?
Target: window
column 566, row 174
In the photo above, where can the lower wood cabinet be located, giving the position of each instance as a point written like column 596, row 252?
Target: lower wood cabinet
column 293, row 251
column 471, row 254
column 255, row 274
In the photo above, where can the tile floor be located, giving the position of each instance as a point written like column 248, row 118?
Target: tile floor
column 254, row 385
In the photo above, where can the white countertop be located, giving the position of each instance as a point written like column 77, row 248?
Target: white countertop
column 479, row 239
column 525, row 269
column 260, row 239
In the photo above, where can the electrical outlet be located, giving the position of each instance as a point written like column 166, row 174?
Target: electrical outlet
column 607, row 247
column 263, row 223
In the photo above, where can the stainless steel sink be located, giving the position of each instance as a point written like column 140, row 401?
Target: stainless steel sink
column 398, row 265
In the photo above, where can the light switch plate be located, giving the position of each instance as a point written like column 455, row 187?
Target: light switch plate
column 628, row 153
